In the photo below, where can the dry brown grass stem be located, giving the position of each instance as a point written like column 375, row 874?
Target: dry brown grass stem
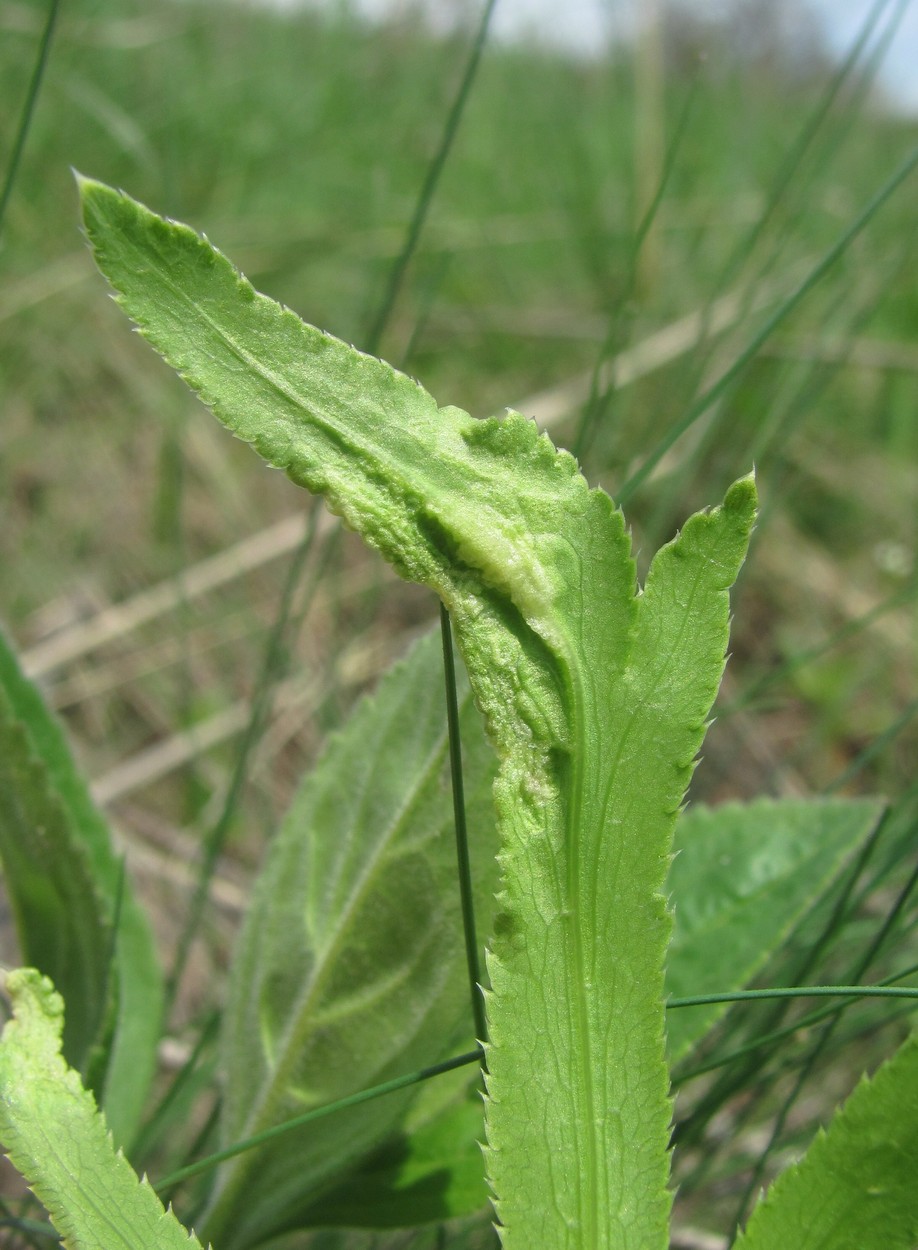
column 550, row 406
column 358, row 664
column 113, row 622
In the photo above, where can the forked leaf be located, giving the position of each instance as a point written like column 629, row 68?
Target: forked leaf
column 59, row 1141
column 350, row 967
column 744, row 874
column 77, row 918
column 596, row 701
column 855, row 1187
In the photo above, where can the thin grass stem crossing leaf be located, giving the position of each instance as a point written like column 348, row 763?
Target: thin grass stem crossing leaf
column 77, row 919
column 54, row 1134
column 596, row 699
column 854, row 1189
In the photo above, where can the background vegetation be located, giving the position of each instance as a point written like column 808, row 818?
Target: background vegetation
column 652, row 209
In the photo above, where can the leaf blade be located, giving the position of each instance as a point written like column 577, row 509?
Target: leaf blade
column 50, row 827
column 537, row 573
column 349, row 968
column 854, row 1189
column 744, row 874
column 56, row 1137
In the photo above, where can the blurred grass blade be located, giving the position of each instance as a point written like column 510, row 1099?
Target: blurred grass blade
column 730, row 374
column 67, row 888
column 350, row 966
column 272, row 669
column 743, row 876
column 855, row 1187
column 431, row 179
column 28, row 109
column 55, row 1136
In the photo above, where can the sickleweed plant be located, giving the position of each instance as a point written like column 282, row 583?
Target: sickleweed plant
column 608, row 961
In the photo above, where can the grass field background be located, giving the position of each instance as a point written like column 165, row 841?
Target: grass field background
column 607, row 239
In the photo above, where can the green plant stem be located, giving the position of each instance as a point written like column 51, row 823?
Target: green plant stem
column 798, row 991
column 462, row 840
column 778, row 1035
column 28, row 109
column 718, row 388
column 353, row 1100
column 425, row 197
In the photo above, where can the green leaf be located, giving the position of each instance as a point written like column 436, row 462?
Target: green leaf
column 350, row 968
column 67, row 889
column 595, row 699
column 744, row 875
column 59, row 1141
column 432, row 1170
column 855, row 1187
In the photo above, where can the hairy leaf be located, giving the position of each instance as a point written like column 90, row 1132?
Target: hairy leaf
column 596, row 700
column 350, row 968
column 744, row 874
column 59, row 1141
column 76, row 916
column 855, row 1187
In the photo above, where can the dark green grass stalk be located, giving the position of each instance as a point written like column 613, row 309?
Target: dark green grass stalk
column 876, row 747
column 462, row 841
column 169, row 1182
column 789, row 170
column 898, row 848
column 28, row 109
column 36, row 1234
column 839, row 127
column 782, row 993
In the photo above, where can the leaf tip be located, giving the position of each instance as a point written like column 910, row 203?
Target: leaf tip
column 742, row 497
column 90, row 189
